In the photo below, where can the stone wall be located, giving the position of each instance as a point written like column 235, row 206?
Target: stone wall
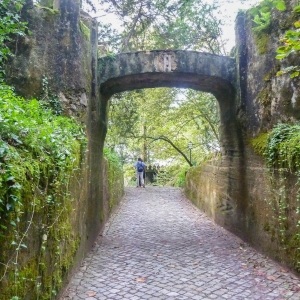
column 266, row 99
column 264, row 201
column 58, row 62
column 54, row 60
column 267, row 217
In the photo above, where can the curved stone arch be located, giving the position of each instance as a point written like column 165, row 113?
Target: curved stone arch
column 184, row 69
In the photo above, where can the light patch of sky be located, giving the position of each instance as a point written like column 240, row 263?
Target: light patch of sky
column 227, row 12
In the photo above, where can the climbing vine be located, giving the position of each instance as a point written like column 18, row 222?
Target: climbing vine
column 291, row 41
column 49, row 100
column 281, row 150
column 40, row 153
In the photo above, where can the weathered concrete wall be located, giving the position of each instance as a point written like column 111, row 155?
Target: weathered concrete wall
column 62, row 49
column 268, row 200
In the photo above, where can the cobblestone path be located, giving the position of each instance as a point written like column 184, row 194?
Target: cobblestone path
column 159, row 246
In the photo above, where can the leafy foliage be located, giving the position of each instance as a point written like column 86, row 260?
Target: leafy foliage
column 39, row 154
column 26, row 128
column 113, row 158
column 158, row 124
column 261, row 14
column 280, row 147
column 283, row 148
column 10, row 25
column 291, row 42
column 261, row 25
column 163, row 24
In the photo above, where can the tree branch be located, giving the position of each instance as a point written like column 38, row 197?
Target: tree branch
column 172, row 144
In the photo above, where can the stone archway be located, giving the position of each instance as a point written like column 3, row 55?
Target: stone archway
column 184, row 69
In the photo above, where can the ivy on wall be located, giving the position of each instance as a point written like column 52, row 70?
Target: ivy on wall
column 281, row 150
column 291, row 44
column 40, row 153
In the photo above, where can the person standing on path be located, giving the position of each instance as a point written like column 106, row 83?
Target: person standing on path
column 140, row 167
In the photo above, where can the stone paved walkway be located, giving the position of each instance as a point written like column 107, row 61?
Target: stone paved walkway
column 159, row 246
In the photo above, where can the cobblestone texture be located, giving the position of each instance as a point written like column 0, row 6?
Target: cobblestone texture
column 159, row 246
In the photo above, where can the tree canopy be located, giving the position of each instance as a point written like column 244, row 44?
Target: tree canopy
column 159, row 123
column 165, row 24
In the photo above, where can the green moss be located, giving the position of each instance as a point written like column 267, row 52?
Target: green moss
column 264, row 97
column 85, row 30
column 115, row 178
column 261, row 40
column 50, row 10
column 101, row 216
column 268, row 77
column 34, row 183
column 260, row 143
column 47, row 3
column 25, row 282
column 267, row 227
column 288, row 22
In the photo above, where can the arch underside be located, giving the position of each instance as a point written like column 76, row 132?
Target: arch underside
column 220, row 88
column 211, row 84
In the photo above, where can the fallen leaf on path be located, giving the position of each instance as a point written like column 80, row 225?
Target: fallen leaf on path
column 140, row 279
column 271, row 278
column 283, row 271
column 260, row 273
column 91, row 294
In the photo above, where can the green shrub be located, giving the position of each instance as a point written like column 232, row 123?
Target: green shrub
column 39, row 154
column 283, row 147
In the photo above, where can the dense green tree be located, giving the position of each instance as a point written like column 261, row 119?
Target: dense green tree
column 160, row 122
column 150, row 24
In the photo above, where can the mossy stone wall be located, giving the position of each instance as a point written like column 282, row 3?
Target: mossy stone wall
column 265, row 200
column 269, row 217
column 63, row 49
column 265, row 99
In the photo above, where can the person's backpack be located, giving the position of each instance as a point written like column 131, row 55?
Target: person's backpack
column 140, row 167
